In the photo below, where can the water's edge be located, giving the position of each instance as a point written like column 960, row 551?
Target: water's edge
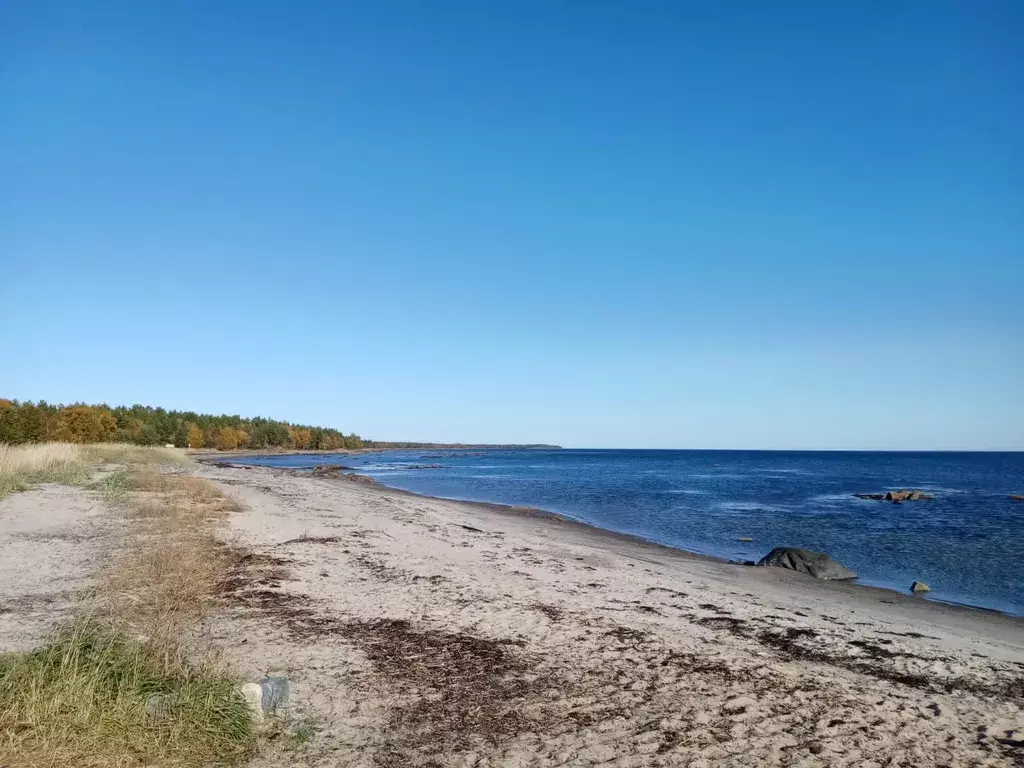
column 611, row 533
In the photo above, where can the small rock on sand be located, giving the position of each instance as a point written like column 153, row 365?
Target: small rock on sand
column 275, row 693
column 253, row 695
column 919, row 586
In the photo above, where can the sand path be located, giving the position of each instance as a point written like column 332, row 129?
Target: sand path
column 52, row 540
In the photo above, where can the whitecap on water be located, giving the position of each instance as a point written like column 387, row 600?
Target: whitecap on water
column 835, row 497
column 747, row 506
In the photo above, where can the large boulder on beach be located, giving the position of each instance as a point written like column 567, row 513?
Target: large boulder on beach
column 816, row 564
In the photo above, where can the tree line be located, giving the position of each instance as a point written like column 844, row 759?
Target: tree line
column 27, row 422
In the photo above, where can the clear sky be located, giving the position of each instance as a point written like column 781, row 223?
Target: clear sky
column 631, row 224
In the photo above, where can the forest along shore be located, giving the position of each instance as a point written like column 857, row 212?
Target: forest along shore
column 421, row 631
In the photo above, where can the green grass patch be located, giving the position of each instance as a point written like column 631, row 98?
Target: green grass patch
column 82, row 700
column 115, row 487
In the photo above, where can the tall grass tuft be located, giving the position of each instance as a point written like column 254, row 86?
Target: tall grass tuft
column 22, row 466
column 95, row 697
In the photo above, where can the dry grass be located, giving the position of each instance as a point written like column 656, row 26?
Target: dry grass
column 126, row 453
column 81, row 700
column 171, row 564
column 22, row 466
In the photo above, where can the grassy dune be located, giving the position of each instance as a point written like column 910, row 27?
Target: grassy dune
column 116, row 688
column 22, row 466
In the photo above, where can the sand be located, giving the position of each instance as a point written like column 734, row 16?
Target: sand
column 53, row 539
column 423, row 632
column 420, row 631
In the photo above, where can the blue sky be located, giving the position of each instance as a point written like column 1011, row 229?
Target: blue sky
column 656, row 224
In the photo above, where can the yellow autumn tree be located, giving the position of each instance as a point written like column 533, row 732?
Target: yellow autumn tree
column 195, row 436
column 85, row 424
column 227, row 439
column 300, row 438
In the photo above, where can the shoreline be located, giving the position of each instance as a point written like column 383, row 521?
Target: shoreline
column 428, row 631
column 878, row 593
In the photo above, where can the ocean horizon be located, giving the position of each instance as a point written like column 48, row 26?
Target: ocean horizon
column 966, row 543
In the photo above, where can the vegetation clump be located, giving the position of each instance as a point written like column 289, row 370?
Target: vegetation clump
column 126, row 683
column 96, row 697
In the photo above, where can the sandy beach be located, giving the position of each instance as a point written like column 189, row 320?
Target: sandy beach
column 428, row 632
column 425, row 632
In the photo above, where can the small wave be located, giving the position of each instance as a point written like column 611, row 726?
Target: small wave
column 746, row 506
column 687, row 491
column 834, row 497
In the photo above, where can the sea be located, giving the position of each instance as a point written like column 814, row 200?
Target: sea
column 967, row 543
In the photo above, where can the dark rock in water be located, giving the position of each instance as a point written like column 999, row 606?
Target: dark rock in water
column 1016, row 497
column 816, row 564
column 328, row 469
column 276, row 691
column 919, row 586
column 896, row 497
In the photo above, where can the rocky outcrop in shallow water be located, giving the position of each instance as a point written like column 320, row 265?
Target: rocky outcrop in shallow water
column 896, row 497
column 328, row 469
column 816, row 564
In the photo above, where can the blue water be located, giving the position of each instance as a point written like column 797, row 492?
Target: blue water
column 967, row 543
